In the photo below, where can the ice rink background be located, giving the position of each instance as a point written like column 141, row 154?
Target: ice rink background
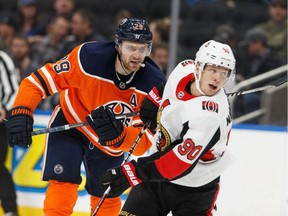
column 256, row 183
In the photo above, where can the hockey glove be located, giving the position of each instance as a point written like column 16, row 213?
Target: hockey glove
column 20, row 126
column 150, row 105
column 110, row 131
column 121, row 178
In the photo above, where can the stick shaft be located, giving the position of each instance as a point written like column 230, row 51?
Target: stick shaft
column 263, row 88
column 106, row 192
column 80, row 124
column 125, row 160
column 250, row 91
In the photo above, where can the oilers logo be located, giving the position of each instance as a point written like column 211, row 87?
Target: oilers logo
column 120, row 108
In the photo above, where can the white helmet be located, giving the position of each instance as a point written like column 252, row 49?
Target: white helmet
column 216, row 53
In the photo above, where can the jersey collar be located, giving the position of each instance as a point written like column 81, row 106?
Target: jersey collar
column 181, row 92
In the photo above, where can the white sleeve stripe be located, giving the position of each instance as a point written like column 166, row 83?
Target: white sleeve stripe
column 32, row 80
column 75, row 116
column 50, row 80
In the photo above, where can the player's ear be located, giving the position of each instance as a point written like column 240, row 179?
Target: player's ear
column 118, row 47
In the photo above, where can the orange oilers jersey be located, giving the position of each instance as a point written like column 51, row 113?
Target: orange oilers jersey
column 86, row 79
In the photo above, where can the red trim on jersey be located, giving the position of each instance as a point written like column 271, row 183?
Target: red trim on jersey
column 181, row 93
column 170, row 166
column 208, row 156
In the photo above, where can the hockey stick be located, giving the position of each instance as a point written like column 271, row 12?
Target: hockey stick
column 106, row 192
column 80, row 124
column 263, row 88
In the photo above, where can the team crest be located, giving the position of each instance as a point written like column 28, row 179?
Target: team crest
column 119, row 108
column 210, row 106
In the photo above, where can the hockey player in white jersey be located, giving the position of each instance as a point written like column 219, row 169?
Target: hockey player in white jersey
column 194, row 123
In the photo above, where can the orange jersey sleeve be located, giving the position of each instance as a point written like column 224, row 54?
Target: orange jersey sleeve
column 142, row 146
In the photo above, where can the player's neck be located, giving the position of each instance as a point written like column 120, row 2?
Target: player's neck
column 193, row 89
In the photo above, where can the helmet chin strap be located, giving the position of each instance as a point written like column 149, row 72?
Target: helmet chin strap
column 121, row 63
column 197, row 80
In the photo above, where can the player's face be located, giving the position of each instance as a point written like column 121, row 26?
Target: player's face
column 213, row 79
column 133, row 54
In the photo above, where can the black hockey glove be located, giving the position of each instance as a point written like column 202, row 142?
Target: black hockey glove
column 150, row 105
column 20, row 126
column 122, row 177
column 110, row 131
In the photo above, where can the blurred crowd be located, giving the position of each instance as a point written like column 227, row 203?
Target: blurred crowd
column 34, row 32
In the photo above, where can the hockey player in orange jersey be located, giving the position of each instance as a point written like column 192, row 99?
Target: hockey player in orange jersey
column 114, row 76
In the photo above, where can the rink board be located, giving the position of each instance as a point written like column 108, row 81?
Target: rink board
column 255, row 184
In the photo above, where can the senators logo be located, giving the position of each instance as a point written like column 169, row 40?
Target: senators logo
column 163, row 140
column 210, row 106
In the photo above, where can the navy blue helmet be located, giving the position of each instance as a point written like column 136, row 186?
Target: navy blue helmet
column 134, row 30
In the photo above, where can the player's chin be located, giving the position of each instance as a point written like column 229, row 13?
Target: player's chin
column 211, row 92
column 134, row 66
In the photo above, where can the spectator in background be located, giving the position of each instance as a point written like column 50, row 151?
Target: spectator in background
column 31, row 25
column 9, row 83
column 64, row 7
column 20, row 52
column 8, row 27
column 226, row 34
column 160, row 55
column 120, row 15
column 259, row 59
column 83, row 30
column 49, row 49
column 276, row 28
column 50, row 46
column 160, row 29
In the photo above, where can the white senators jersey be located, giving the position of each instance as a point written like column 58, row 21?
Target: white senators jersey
column 194, row 131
